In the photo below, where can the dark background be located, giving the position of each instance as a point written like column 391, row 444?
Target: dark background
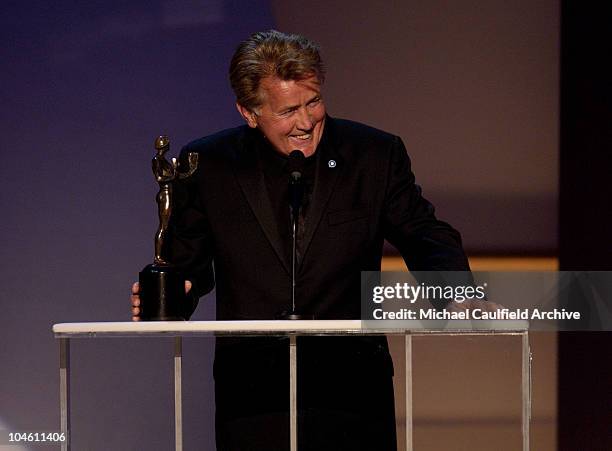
column 585, row 242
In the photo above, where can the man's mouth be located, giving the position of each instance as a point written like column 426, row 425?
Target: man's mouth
column 303, row 137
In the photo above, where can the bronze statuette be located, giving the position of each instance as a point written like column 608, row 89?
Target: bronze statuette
column 162, row 292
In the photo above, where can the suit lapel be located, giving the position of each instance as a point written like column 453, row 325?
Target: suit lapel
column 330, row 166
column 250, row 176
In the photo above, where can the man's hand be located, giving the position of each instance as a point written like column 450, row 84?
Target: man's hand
column 135, row 298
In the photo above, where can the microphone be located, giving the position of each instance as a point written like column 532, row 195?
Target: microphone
column 295, row 167
column 297, row 160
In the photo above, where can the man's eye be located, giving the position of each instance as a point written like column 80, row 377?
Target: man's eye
column 314, row 102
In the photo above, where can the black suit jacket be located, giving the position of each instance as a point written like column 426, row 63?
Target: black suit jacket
column 225, row 233
column 364, row 192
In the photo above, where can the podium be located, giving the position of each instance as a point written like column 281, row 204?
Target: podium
column 64, row 332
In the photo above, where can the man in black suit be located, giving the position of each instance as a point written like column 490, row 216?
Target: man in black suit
column 232, row 230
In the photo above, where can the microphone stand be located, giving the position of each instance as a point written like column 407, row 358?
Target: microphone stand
column 296, row 195
column 297, row 185
column 294, row 225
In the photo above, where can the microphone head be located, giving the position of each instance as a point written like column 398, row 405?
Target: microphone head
column 295, row 165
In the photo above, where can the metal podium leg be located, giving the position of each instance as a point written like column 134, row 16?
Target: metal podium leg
column 64, row 344
column 293, row 392
column 178, row 402
column 526, row 389
column 408, row 349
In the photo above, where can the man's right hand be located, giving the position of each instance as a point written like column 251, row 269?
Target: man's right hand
column 135, row 298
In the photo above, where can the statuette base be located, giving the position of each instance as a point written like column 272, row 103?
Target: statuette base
column 162, row 293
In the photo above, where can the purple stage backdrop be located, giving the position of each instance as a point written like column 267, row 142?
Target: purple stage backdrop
column 86, row 86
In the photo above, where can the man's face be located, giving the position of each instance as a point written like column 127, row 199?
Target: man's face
column 292, row 114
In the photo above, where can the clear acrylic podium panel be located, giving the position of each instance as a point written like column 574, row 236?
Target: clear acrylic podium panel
column 441, row 400
column 466, row 392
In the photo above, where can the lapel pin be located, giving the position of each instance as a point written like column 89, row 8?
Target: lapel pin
column 331, row 163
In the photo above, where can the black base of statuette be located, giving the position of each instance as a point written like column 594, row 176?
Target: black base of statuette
column 294, row 316
column 162, row 293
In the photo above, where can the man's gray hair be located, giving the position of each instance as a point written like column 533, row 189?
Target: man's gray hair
column 272, row 54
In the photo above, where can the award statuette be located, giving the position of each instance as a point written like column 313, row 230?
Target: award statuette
column 162, row 287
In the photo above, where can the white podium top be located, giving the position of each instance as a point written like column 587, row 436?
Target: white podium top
column 284, row 327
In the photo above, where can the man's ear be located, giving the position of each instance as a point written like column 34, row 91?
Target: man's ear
column 248, row 115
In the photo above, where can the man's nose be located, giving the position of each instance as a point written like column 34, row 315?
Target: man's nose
column 304, row 119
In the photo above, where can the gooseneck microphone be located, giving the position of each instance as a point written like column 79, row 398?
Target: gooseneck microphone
column 295, row 167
